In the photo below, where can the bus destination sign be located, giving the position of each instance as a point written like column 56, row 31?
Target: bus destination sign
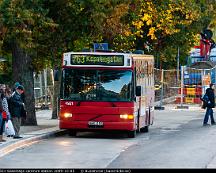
column 106, row 60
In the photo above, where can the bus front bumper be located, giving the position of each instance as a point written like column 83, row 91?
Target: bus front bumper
column 85, row 125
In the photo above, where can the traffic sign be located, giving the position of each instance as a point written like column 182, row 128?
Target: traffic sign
column 100, row 46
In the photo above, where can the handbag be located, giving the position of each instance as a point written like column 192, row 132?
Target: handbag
column 9, row 129
column 4, row 115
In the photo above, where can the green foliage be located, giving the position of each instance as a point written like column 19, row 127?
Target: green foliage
column 160, row 27
column 82, row 22
column 47, row 28
column 25, row 22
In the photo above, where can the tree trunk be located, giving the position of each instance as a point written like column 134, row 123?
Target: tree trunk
column 55, row 99
column 23, row 73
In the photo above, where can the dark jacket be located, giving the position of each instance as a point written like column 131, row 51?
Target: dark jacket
column 16, row 104
column 211, row 96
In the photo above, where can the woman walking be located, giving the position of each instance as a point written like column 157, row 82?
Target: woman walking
column 2, row 121
column 5, row 114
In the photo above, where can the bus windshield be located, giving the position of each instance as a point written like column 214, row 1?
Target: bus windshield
column 97, row 85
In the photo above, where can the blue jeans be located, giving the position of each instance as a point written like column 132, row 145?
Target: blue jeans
column 209, row 111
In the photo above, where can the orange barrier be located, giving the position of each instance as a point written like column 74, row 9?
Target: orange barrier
column 191, row 91
column 188, row 100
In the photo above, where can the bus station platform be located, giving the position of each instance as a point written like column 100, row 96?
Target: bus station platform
column 46, row 127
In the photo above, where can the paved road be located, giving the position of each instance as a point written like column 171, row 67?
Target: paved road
column 176, row 140
column 177, row 145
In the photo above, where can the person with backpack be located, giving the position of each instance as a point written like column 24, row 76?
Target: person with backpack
column 209, row 103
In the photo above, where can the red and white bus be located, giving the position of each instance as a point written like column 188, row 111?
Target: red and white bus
column 107, row 91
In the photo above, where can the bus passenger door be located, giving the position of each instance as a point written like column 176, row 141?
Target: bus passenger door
column 138, row 105
column 141, row 108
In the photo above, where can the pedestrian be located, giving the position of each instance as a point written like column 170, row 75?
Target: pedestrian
column 14, row 89
column 5, row 110
column 16, row 106
column 209, row 105
column 2, row 122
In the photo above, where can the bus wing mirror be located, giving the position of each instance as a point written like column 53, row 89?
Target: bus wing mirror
column 138, row 90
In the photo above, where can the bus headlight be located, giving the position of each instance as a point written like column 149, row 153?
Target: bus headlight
column 126, row 116
column 67, row 115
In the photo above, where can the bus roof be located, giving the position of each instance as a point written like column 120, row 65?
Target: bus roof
column 107, row 53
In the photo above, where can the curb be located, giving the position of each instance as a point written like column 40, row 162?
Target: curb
column 14, row 145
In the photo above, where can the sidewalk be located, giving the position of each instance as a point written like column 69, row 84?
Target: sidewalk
column 31, row 134
column 190, row 106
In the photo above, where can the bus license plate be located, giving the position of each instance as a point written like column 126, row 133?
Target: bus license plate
column 95, row 124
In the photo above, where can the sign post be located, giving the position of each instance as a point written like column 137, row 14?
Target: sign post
column 182, row 89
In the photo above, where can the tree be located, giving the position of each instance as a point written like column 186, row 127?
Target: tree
column 159, row 27
column 24, row 27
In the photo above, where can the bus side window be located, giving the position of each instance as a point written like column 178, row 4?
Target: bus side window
column 138, row 90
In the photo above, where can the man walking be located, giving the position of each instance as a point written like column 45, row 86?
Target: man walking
column 209, row 105
column 17, row 104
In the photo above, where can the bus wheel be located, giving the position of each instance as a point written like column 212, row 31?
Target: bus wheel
column 132, row 134
column 144, row 129
column 72, row 132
